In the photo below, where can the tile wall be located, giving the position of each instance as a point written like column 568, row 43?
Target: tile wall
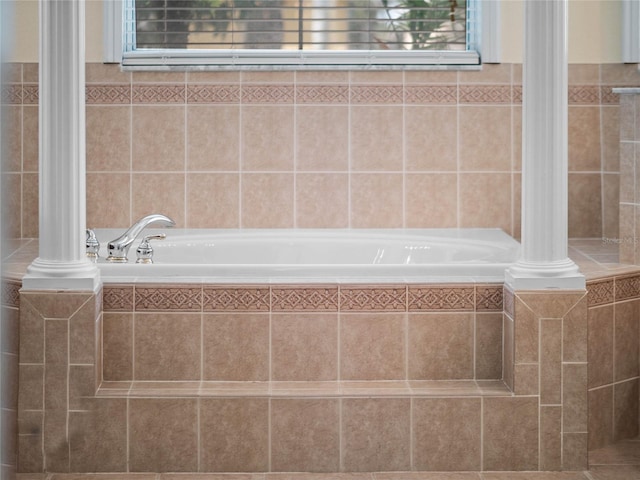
column 613, row 380
column 293, row 333
column 319, row 149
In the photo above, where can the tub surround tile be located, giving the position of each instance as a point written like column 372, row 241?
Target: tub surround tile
column 304, row 347
column 441, row 346
column 236, row 347
column 600, row 345
column 152, row 152
column 213, row 152
column 626, row 399
column 488, row 345
column 118, row 298
column 375, row 434
column 170, row 445
column 213, row 199
column 116, row 187
column 158, row 192
column 366, row 299
column 376, row 200
column 234, row 435
column 422, row 191
column 600, row 420
column 551, row 438
column 260, row 210
column 373, row 139
column 223, row 93
column 510, row 444
column 322, row 138
column 117, row 346
column 316, row 190
column 305, row 435
column 108, row 94
column 267, row 129
column 626, row 338
column 167, row 346
column 446, row 434
column 372, row 346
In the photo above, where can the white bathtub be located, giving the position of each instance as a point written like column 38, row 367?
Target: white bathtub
column 308, row 256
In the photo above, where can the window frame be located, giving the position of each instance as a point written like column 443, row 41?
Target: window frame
column 486, row 50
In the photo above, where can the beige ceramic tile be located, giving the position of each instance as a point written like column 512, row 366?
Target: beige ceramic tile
column 526, row 379
column 600, row 345
column 625, row 424
column 376, row 200
column 11, row 204
column 447, row 434
column 12, row 138
column 30, row 135
column 372, row 346
column 490, row 73
column 610, row 124
column 322, row 76
column 158, row 193
column 159, row 142
column 108, row 201
column 550, row 438
column 374, row 138
column 31, row 378
column 305, row 435
column 600, row 417
column 167, row 346
column 574, row 397
column 583, row 74
column 441, row 346
column 510, row 433
column 431, row 138
column 315, row 192
column 31, row 332
column 108, row 138
column 106, row 73
column 267, row 138
column 98, row 437
column 375, row 434
column 267, row 200
column 433, row 76
column 431, row 200
column 610, row 204
column 574, row 333
column 30, row 205
column 322, row 138
column 488, row 348
column 236, row 347
column 213, row 141
column 626, row 338
column 574, row 451
column 234, row 435
column 362, row 76
column 481, row 150
column 163, row 435
column 550, row 361
column 584, row 138
column 585, row 207
column 304, row 347
column 213, row 200
column 117, row 346
column 485, row 200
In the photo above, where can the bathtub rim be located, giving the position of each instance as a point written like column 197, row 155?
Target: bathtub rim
column 342, row 274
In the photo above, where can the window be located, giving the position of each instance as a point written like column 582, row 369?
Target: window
column 300, row 33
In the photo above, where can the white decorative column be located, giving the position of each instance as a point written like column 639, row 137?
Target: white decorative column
column 544, row 261
column 62, row 263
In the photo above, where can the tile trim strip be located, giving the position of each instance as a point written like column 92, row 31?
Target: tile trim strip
column 306, row 298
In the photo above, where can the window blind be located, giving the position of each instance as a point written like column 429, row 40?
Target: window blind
column 300, row 25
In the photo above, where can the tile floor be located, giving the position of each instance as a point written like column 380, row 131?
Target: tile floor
column 615, row 462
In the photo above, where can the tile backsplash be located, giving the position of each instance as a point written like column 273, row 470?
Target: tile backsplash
column 318, row 149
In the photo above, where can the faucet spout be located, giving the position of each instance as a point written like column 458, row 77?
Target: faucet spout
column 119, row 248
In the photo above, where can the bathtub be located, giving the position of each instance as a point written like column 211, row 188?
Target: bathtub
column 323, row 255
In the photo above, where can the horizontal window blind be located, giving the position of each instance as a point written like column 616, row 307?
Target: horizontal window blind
column 300, row 25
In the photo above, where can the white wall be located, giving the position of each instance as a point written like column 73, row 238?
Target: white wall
column 594, row 31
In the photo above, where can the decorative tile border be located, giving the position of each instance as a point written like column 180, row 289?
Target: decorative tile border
column 485, row 94
column 368, row 299
column 117, row 298
column 377, row 94
column 308, row 94
column 627, row 287
column 600, row 292
column 332, row 94
column 431, row 94
column 175, row 299
column 438, row 298
column 304, row 298
column 109, row 94
column 10, row 294
column 232, row 299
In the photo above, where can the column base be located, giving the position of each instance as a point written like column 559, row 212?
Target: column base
column 563, row 275
column 48, row 275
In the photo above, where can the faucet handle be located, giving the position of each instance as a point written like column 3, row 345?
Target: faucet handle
column 92, row 245
column 145, row 251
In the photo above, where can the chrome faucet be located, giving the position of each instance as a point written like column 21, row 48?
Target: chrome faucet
column 119, row 248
